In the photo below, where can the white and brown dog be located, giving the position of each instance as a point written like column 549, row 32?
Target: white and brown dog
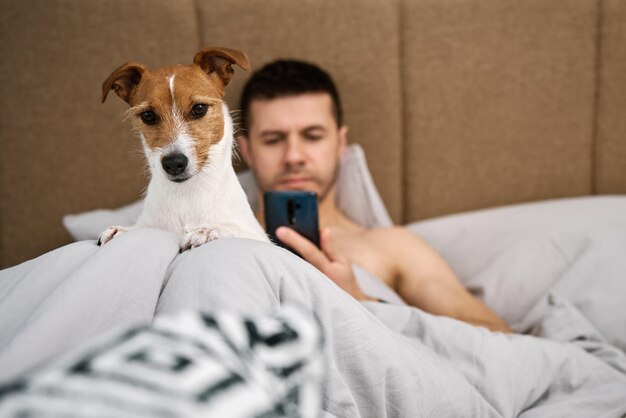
column 187, row 136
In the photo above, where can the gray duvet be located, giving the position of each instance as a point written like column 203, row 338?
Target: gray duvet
column 383, row 360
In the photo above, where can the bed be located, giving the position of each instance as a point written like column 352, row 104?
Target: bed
column 380, row 360
column 493, row 129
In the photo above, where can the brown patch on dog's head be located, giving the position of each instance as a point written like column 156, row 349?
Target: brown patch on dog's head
column 173, row 96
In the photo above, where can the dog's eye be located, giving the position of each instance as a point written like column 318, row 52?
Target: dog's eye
column 198, row 110
column 149, row 117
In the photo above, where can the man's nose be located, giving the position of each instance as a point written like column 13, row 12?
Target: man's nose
column 295, row 152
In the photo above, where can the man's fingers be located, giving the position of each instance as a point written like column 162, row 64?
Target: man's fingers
column 303, row 246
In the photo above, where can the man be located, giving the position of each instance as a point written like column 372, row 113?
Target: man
column 294, row 137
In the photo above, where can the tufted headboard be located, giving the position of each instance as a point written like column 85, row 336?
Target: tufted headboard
column 459, row 104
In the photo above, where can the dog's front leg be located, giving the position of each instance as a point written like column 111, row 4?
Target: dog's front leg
column 113, row 231
column 195, row 237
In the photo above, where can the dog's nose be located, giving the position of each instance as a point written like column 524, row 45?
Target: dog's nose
column 174, row 164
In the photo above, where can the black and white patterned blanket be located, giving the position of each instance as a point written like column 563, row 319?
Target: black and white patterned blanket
column 217, row 364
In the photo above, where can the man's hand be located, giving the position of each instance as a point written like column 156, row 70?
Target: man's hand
column 328, row 260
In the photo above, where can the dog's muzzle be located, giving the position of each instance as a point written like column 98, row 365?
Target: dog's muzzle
column 175, row 165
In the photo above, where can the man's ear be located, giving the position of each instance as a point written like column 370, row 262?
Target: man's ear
column 124, row 81
column 218, row 63
column 243, row 145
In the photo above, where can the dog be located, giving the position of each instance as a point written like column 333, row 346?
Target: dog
column 187, row 135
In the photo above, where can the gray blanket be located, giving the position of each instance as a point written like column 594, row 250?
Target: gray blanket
column 383, row 360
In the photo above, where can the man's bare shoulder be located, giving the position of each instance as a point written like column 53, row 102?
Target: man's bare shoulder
column 391, row 243
column 386, row 235
column 375, row 236
column 398, row 244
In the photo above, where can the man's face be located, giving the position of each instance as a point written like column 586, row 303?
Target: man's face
column 294, row 143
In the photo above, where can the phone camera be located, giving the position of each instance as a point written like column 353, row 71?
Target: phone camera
column 291, row 211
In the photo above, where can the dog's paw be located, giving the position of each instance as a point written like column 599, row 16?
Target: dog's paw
column 110, row 233
column 198, row 236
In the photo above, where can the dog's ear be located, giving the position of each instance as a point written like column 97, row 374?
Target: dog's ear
column 218, row 62
column 124, row 80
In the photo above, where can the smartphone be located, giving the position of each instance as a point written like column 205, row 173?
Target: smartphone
column 294, row 209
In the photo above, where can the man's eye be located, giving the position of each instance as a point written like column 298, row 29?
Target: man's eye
column 313, row 137
column 198, row 110
column 149, row 117
column 271, row 141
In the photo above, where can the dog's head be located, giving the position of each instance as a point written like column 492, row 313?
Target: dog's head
column 177, row 110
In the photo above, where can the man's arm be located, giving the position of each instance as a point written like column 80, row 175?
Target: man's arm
column 426, row 281
column 434, row 288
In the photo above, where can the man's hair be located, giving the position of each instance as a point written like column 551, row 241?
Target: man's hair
column 285, row 78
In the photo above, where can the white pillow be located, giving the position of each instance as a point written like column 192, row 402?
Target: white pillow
column 89, row 225
column 357, row 197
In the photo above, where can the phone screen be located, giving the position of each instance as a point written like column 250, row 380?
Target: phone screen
column 294, row 209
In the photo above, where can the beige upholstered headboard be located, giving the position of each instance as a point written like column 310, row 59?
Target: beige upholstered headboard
column 459, row 105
